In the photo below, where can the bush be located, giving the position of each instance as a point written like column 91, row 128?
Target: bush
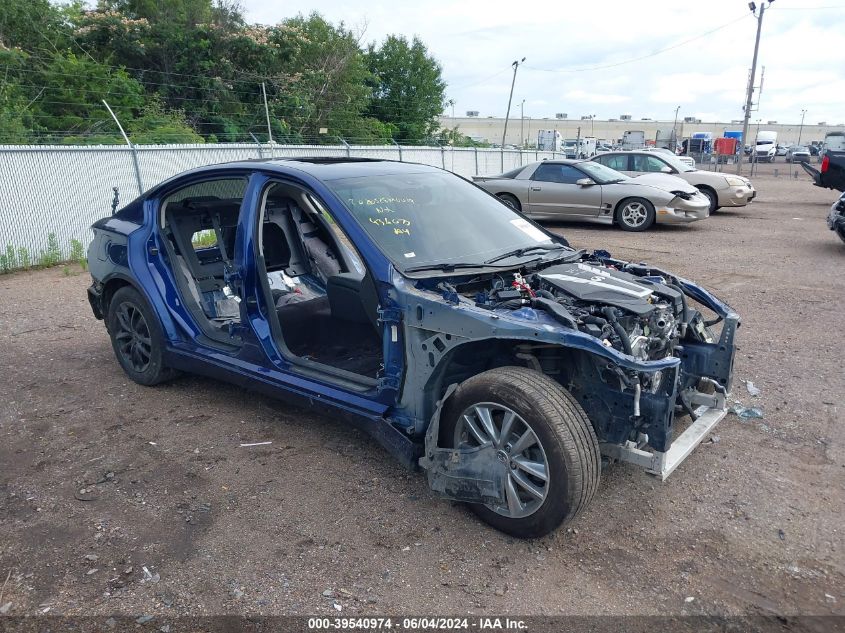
column 53, row 254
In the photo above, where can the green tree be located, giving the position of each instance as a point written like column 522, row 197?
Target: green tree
column 73, row 90
column 408, row 87
column 31, row 25
column 17, row 123
column 158, row 125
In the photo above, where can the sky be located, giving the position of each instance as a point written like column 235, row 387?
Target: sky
column 643, row 58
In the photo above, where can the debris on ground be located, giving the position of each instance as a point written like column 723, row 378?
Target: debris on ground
column 752, row 389
column 150, row 577
column 256, row 444
column 746, row 413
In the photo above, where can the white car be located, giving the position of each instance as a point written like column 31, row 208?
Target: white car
column 722, row 190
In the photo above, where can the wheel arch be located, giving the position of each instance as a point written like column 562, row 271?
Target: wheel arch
column 558, row 361
column 114, row 283
column 711, row 189
column 618, row 206
column 507, row 194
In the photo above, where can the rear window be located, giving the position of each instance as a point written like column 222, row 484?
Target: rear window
column 513, row 173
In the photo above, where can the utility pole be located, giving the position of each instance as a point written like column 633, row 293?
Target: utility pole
column 522, row 125
column 801, row 127
column 507, row 116
column 674, row 131
column 750, row 90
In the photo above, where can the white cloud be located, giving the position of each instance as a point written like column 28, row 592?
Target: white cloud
column 475, row 39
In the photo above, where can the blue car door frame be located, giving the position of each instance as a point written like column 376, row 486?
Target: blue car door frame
column 385, row 393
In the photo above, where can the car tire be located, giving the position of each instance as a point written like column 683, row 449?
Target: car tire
column 137, row 338
column 566, row 446
column 712, row 197
column 635, row 214
column 510, row 200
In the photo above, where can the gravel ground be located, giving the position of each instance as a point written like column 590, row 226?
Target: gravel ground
column 175, row 517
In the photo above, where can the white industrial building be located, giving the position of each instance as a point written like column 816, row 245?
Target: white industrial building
column 523, row 131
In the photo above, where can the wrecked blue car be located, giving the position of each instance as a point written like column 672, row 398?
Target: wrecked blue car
column 468, row 340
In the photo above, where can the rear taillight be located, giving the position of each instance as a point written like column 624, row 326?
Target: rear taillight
column 825, row 163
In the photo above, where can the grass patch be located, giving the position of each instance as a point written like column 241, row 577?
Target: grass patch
column 18, row 258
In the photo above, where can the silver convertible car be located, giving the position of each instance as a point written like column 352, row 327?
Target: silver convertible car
column 585, row 190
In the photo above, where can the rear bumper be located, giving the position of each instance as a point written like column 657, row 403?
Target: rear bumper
column 95, row 298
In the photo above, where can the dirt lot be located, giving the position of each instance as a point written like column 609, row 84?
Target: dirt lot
column 102, row 479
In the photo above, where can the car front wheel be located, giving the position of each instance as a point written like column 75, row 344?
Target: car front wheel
column 635, row 214
column 136, row 338
column 544, row 443
column 711, row 197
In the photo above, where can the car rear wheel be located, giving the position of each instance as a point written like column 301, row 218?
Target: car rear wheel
column 136, row 338
column 635, row 214
column 544, row 443
column 711, row 197
column 510, row 200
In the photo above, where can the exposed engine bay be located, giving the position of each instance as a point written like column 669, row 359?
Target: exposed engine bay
column 643, row 317
column 644, row 313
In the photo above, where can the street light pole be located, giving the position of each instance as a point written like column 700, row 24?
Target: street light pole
column 801, row 127
column 750, row 90
column 510, row 98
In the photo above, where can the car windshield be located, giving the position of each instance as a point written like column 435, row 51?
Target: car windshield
column 601, row 174
column 432, row 218
column 676, row 163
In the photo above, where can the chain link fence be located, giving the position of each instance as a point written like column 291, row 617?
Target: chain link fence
column 50, row 195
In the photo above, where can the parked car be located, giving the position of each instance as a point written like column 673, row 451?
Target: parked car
column 686, row 160
column 798, row 154
column 468, row 340
column 588, row 191
column 836, row 218
column 831, row 172
column 782, row 149
column 721, row 190
column 765, row 146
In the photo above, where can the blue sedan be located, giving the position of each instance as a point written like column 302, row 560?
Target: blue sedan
column 468, row 340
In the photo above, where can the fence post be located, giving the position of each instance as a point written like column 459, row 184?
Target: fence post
column 257, row 142
column 399, row 147
column 442, row 155
column 348, row 148
column 476, row 159
column 132, row 149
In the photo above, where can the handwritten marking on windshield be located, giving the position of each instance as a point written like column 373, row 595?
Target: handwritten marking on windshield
column 380, row 201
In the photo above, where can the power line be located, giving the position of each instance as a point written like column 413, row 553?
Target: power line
column 637, row 59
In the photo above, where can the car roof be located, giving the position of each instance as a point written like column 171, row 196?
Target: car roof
column 557, row 161
column 321, row 167
column 334, row 167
